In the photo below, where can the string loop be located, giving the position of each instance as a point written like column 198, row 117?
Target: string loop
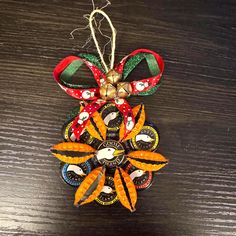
column 113, row 39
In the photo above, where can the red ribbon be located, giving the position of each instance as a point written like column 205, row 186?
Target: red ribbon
column 93, row 93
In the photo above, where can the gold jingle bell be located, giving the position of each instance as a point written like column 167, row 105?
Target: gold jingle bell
column 124, row 89
column 107, row 91
column 113, row 77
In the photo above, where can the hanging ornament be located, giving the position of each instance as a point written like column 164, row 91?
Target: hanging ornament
column 108, row 153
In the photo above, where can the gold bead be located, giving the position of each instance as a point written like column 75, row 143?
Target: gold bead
column 107, row 91
column 124, row 89
column 113, row 77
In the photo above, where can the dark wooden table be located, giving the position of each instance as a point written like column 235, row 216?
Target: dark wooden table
column 194, row 110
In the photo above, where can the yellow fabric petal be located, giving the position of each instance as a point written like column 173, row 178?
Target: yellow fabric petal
column 146, row 160
column 125, row 189
column 72, row 152
column 91, row 187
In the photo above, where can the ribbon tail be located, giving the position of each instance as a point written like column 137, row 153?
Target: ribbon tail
column 83, row 117
column 126, row 110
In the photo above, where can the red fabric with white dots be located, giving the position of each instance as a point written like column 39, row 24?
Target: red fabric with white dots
column 126, row 110
column 84, row 116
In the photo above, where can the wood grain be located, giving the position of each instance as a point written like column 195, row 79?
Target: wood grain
column 194, row 109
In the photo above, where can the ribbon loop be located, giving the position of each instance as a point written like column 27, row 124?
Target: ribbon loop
column 64, row 72
column 156, row 67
